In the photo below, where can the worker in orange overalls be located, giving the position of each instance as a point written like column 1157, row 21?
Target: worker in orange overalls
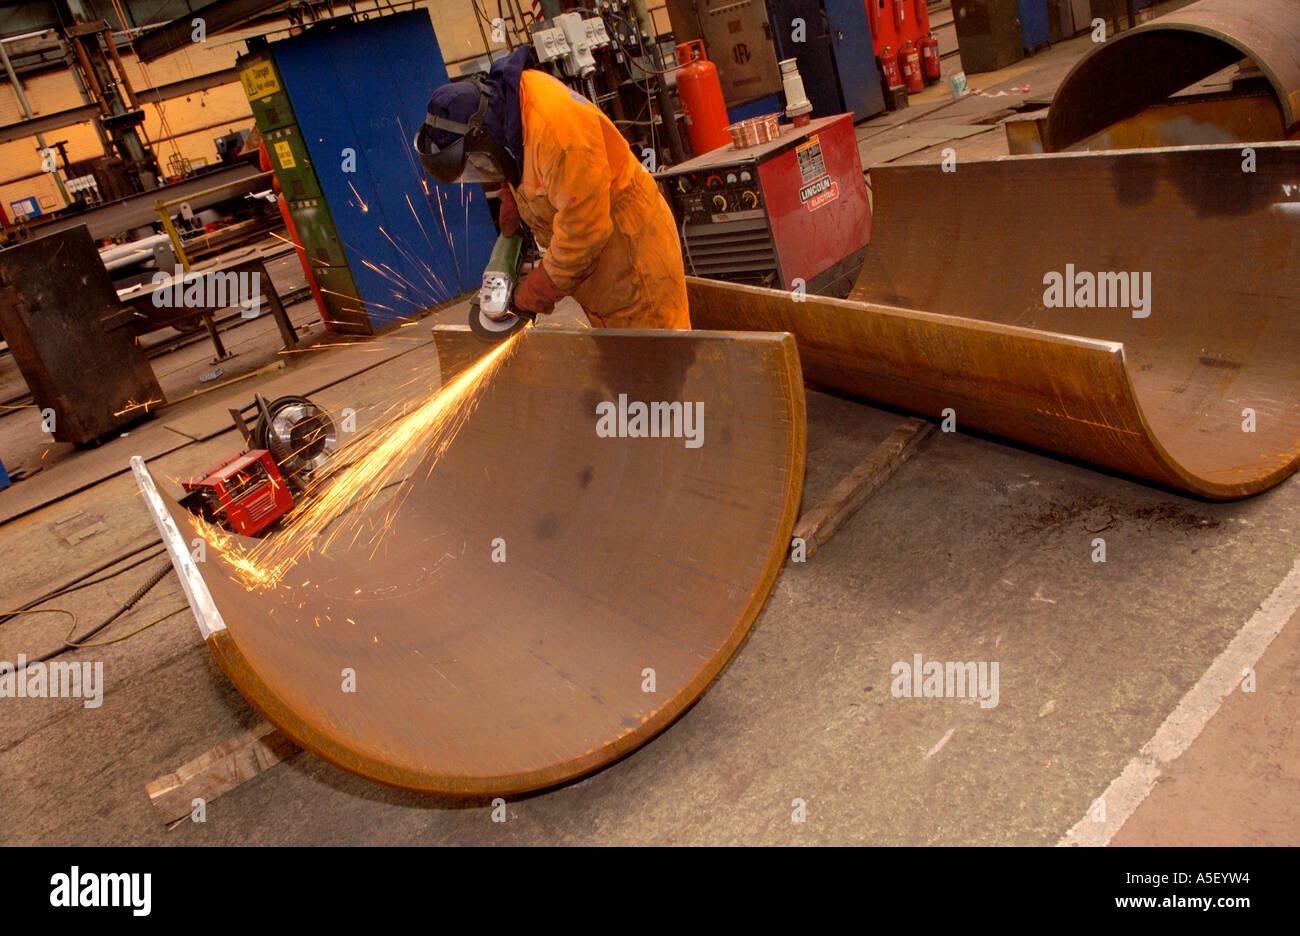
column 570, row 176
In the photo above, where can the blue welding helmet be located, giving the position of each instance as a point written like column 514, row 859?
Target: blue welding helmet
column 462, row 150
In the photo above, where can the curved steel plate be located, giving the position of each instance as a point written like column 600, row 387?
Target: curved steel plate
column 1135, row 69
column 622, row 555
column 1165, row 397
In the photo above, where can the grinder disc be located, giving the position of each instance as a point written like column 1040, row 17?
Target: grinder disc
column 495, row 329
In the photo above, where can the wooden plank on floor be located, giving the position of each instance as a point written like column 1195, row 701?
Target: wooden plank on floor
column 821, row 522
column 218, row 771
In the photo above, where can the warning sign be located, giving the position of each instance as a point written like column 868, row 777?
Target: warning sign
column 259, row 80
column 819, row 192
column 811, row 164
column 284, row 153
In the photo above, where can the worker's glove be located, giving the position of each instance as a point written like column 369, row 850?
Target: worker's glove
column 537, row 294
column 508, row 216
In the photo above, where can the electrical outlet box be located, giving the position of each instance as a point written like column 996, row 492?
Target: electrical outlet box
column 581, row 62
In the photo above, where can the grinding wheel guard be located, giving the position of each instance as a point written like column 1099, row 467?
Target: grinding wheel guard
column 555, row 589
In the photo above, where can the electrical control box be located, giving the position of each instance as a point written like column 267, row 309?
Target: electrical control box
column 550, row 44
column 581, row 62
column 597, row 36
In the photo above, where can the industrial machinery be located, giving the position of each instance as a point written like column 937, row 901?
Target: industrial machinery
column 786, row 213
column 100, row 71
column 245, row 493
column 738, row 36
column 71, row 338
column 289, row 440
column 988, row 34
column 838, row 77
column 230, row 146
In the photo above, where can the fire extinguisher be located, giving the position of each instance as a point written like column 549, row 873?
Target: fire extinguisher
column 900, row 14
column 930, row 69
column 893, row 77
column 873, row 14
column 909, row 63
column 922, row 16
column 701, row 94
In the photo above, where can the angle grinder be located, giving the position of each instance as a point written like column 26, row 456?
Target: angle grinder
column 492, row 313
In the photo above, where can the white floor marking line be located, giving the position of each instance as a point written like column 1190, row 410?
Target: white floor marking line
column 1188, row 720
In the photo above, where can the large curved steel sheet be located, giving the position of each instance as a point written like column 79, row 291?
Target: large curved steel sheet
column 1167, row 397
column 623, row 555
column 1135, row 69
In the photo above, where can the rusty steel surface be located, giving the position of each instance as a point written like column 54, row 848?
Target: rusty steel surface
column 1135, row 69
column 949, row 311
column 622, row 556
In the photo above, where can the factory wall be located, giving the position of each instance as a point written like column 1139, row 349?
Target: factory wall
column 187, row 126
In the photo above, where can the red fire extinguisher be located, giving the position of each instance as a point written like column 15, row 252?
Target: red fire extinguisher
column 900, row 14
column 893, row 77
column 930, row 69
column 701, row 93
column 873, row 14
column 909, row 63
column 922, row 16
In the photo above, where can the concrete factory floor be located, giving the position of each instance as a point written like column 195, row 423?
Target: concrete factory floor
column 974, row 551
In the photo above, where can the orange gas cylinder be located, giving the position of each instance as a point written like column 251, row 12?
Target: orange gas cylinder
column 701, row 94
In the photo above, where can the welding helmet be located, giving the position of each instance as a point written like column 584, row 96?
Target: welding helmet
column 468, row 151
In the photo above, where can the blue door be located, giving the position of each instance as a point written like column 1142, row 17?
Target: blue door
column 1034, row 30
column 855, row 60
column 359, row 91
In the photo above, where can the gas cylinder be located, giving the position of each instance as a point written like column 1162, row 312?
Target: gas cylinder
column 930, row 68
column 909, row 63
column 893, row 77
column 701, row 93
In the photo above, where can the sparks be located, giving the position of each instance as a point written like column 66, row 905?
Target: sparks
column 346, row 491
column 364, row 207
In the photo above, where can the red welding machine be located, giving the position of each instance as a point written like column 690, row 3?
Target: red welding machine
column 289, row 440
column 787, row 211
column 245, row 493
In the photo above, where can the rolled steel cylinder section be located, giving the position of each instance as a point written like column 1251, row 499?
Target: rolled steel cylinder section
column 1180, row 363
column 558, row 586
column 1140, row 67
